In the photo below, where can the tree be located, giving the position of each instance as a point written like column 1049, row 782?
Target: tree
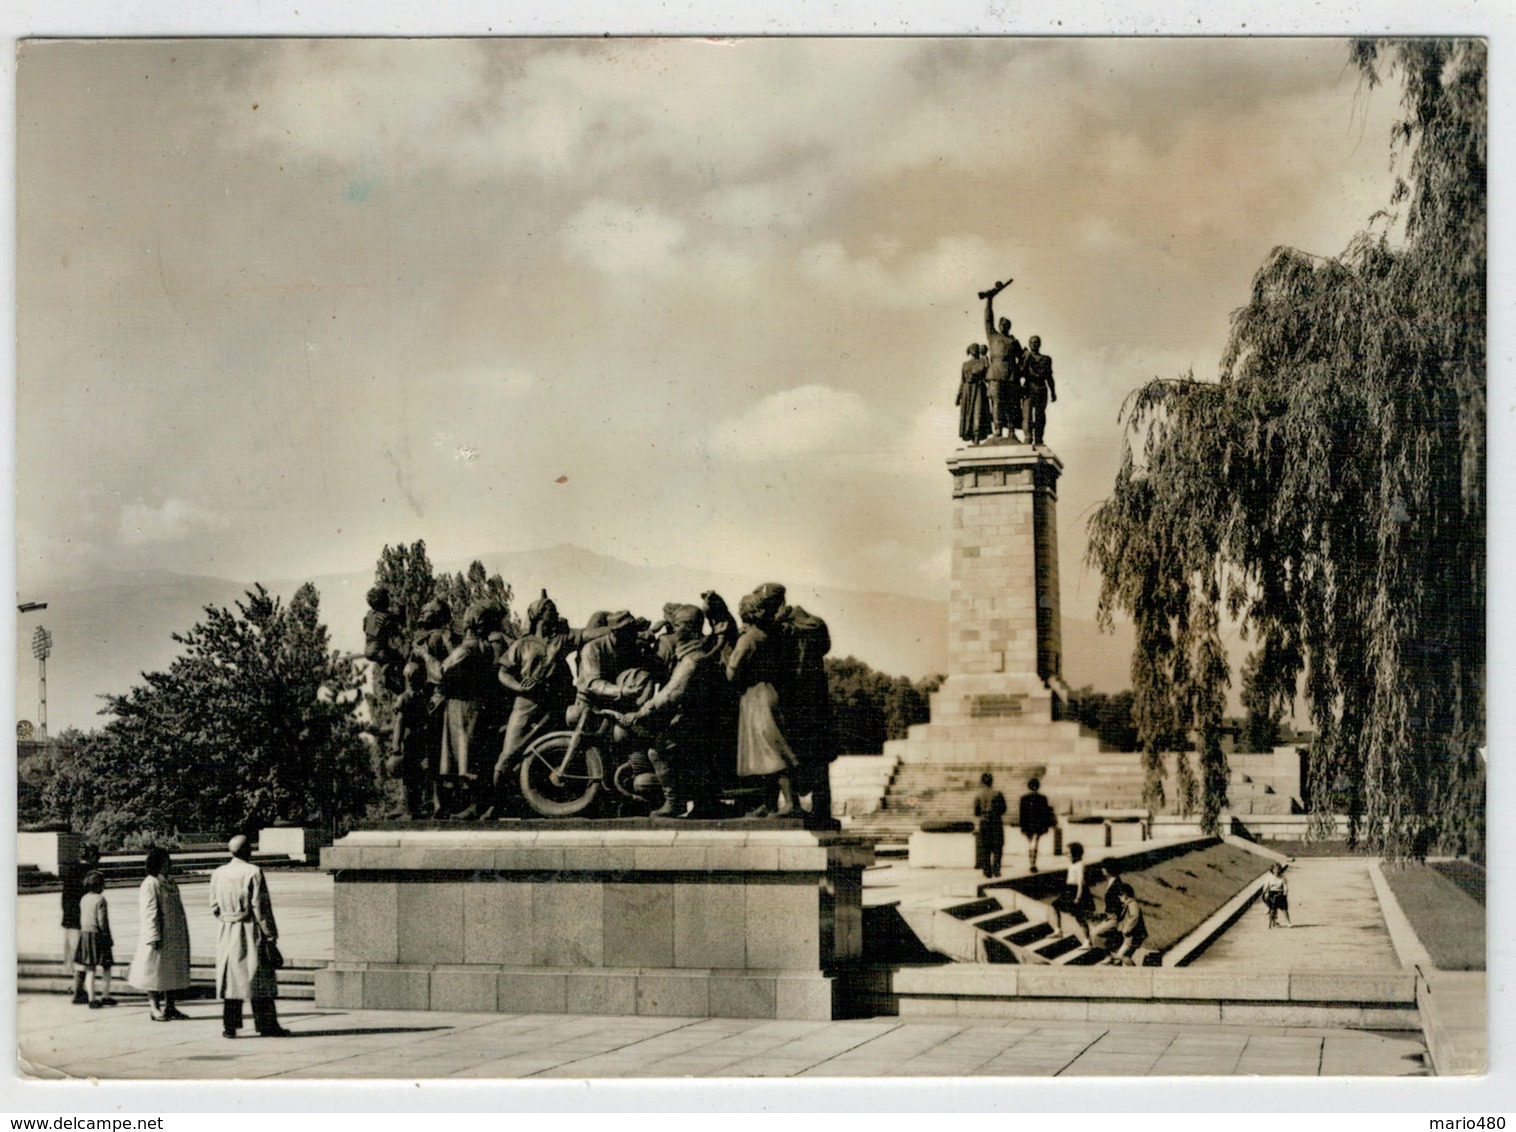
column 1328, row 493
column 1260, row 729
column 871, row 708
column 254, row 723
column 1110, row 717
column 477, row 585
column 406, row 571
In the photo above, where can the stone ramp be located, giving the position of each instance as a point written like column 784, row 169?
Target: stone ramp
column 1338, row 924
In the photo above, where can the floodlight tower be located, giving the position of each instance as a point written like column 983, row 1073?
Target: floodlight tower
column 42, row 647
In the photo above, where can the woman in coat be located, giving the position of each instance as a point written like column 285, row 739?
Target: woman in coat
column 757, row 668
column 161, row 964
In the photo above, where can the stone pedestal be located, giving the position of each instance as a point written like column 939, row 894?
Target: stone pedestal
column 295, row 842
column 596, row 918
column 1000, row 707
column 1005, row 640
column 48, row 851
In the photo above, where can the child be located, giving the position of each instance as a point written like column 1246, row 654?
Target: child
column 1276, row 896
column 1130, row 925
column 1075, row 901
column 94, row 950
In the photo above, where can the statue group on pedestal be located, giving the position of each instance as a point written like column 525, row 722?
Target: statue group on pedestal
column 698, row 711
column 1005, row 389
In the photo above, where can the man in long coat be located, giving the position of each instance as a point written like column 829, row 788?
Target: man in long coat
column 240, row 903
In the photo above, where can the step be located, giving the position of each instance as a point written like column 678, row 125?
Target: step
column 1053, row 949
column 1082, row 956
column 1025, row 937
column 996, row 951
column 130, row 995
column 974, row 908
column 998, row 923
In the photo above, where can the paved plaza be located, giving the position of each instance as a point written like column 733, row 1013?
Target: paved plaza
column 1339, row 927
column 61, row 1041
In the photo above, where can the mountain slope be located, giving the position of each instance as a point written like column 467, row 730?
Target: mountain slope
column 105, row 636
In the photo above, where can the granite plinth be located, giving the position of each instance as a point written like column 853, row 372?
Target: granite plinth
column 750, row 919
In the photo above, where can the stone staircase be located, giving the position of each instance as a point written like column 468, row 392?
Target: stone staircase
column 123, row 870
column 1002, row 926
column 859, row 783
column 1005, row 726
column 919, row 792
column 45, row 975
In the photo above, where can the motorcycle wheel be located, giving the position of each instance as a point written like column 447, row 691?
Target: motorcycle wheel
column 576, row 790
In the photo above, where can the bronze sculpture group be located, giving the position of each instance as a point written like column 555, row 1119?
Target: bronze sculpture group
column 706, row 707
column 1005, row 389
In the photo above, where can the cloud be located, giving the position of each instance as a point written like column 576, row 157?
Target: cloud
column 792, row 422
column 489, row 381
column 173, row 521
column 621, row 239
column 888, row 278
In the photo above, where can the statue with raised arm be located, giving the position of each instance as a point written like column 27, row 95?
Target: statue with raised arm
column 1004, row 376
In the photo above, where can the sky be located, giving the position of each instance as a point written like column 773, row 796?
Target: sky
column 681, row 301
column 422, row 283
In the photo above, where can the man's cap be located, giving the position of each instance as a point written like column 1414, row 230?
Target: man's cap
column 236, row 845
column 620, row 620
column 534, row 610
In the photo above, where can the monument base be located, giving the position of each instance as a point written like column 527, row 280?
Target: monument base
column 592, row 917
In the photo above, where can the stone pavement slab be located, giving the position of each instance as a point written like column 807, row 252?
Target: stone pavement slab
column 59, row 1040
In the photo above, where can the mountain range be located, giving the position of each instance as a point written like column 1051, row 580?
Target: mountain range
column 106, row 635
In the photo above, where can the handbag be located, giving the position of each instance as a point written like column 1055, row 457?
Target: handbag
column 269, row 955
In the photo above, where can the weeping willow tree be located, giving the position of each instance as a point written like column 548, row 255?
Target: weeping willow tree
column 1327, row 493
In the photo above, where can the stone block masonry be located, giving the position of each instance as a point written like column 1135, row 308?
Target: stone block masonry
column 756, row 922
column 1001, row 704
column 1003, row 614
